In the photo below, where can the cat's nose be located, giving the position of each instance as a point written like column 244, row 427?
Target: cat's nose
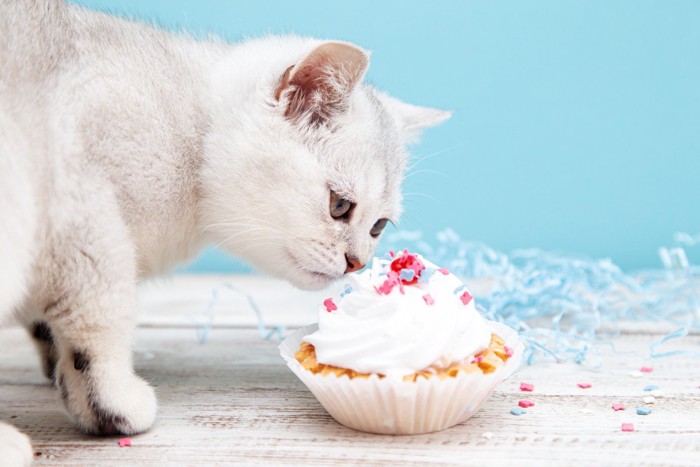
column 354, row 264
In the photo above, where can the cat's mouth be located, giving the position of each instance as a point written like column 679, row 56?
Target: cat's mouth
column 312, row 278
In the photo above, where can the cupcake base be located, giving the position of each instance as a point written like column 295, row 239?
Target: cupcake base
column 389, row 406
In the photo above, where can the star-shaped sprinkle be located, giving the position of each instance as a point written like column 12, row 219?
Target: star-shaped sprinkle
column 466, row 297
column 428, row 299
column 330, row 305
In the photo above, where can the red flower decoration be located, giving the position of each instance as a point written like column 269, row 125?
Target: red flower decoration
column 408, row 261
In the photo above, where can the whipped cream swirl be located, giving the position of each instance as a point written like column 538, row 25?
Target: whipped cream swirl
column 400, row 316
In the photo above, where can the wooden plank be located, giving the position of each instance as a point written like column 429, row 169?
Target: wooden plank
column 233, row 400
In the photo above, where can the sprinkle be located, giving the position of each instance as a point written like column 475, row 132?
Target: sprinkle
column 618, row 406
column 646, row 369
column 123, row 442
column 527, row 387
column 509, row 351
column 517, row 411
column 389, row 284
column 347, row 290
column 407, row 275
column 651, row 388
column 643, row 410
column 657, row 393
column 478, row 359
column 330, row 306
column 649, row 399
column 627, row 427
column 428, row 299
column 466, row 297
column 584, row 385
column 392, row 255
column 636, row 374
column 525, row 403
column 459, row 289
column 487, row 435
column 425, row 275
column 444, row 271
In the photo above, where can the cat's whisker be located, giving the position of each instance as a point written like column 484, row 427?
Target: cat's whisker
column 430, row 171
column 430, row 156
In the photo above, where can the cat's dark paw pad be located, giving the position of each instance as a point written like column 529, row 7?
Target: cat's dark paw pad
column 105, row 403
column 15, row 447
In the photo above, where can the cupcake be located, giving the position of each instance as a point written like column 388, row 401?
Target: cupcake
column 403, row 350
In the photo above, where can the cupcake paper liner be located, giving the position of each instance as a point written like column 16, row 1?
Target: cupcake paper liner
column 389, row 406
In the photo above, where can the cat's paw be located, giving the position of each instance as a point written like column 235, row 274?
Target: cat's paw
column 106, row 402
column 15, row 448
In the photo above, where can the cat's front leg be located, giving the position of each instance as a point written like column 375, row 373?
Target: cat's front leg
column 15, row 448
column 92, row 327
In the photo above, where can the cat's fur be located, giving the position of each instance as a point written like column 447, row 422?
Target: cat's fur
column 125, row 149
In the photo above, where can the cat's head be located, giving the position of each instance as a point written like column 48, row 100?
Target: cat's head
column 303, row 169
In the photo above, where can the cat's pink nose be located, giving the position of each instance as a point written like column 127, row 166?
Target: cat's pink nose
column 353, row 264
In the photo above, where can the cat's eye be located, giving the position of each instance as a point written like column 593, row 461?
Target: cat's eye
column 340, row 208
column 378, row 227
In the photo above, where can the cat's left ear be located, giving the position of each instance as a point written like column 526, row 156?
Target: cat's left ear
column 318, row 87
column 412, row 119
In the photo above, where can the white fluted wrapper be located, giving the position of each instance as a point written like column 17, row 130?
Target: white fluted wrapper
column 396, row 407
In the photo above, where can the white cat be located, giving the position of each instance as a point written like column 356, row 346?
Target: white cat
column 125, row 149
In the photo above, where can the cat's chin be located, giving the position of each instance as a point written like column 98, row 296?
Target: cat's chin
column 312, row 280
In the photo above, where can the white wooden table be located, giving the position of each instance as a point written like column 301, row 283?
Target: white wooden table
column 233, row 400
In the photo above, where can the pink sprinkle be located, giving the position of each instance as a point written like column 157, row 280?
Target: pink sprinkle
column 617, row 407
column 466, row 297
column 646, row 369
column 389, row 284
column 584, row 385
column 330, row 306
column 428, row 299
column 444, row 271
column 527, row 387
column 525, row 403
column 509, row 352
column 627, row 427
column 478, row 359
column 391, row 253
column 123, row 442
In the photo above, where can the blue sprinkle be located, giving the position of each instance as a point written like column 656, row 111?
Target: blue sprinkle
column 643, row 411
column 517, row 411
column 348, row 289
column 459, row 289
column 407, row 274
column 425, row 275
column 651, row 388
column 388, row 257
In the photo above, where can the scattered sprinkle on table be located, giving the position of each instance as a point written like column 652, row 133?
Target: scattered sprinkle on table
column 527, row 387
column 618, row 406
column 649, row 399
column 584, row 385
column 656, row 393
column 651, row 388
column 643, row 410
column 627, row 427
column 123, row 442
column 646, row 369
column 487, row 435
column 636, row 374
column 517, row 411
column 525, row 403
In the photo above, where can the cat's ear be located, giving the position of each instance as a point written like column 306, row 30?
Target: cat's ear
column 318, row 87
column 412, row 119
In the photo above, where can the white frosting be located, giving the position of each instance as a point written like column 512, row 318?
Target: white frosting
column 399, row 333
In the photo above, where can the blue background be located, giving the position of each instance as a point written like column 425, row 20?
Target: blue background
column 577, row 123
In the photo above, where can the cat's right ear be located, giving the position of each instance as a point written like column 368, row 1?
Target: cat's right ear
column 318, row 87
